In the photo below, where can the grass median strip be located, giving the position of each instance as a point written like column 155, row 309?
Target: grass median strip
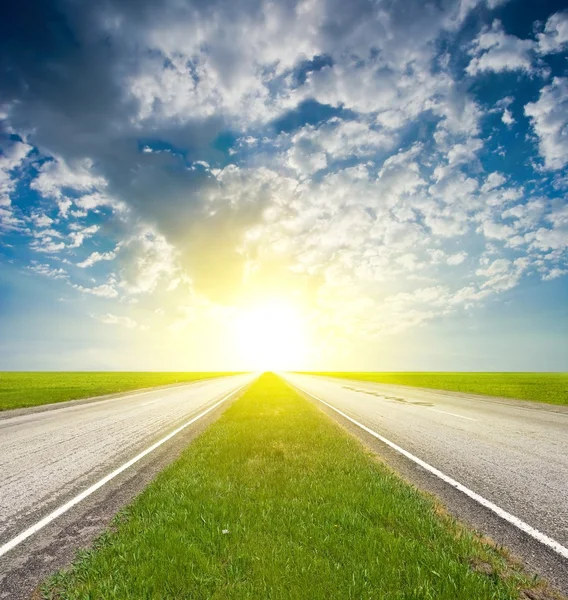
column 537, row 387
column 20, row 389
column 275, row 501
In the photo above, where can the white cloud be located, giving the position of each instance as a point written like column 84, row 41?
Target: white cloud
column 64, row 205
column 355, row 228
column 555, row 273
column 105, row 290
column 456, row 188
column 336, row 139
column 216, row 60
column 305, row 160
column 41, row 220
column 110, row 319
column 549, row 118
column 507, row 118
column 12, row 157
column 80, row 233
column 496, row 231
column 96, row 257
column 9, row 221
column 465, row 152
column 502, row 274
column 239, row 66
column 375, row 230
column 48, row 271
column 98, row 199
column 492, row 4
column 554, row 38
column 150, row 260
column 47, row 245
column 45, row 239
column 457, row 259
column 526, row 216
column 559, row 215
column 495, row 51
column 55, row 176
column 550, row 239
column 493, row 181
column 497, row 267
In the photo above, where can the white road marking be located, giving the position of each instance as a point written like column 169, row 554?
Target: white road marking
column 453, row 414
column 534, row 533
column 151, row 402
column 65, row 507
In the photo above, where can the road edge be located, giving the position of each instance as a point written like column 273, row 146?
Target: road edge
column 29, row 410
column 55, row 547
column 536, row 559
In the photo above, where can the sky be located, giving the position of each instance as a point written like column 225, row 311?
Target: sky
column 313, row 184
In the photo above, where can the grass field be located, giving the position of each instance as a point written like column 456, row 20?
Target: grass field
column 276, row 501
column 21, row 389
column 538, row 387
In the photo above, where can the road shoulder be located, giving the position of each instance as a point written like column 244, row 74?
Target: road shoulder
column 30, row 410
column 535, row 558
column 55, row 546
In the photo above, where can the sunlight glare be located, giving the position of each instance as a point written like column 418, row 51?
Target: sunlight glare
column 271, row 337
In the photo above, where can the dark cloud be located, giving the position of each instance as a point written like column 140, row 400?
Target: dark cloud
column 63, row 72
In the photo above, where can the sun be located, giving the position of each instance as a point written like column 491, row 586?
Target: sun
column 271, row 336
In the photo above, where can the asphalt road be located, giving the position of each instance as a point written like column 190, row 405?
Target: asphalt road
column 50, row 456
column 511, row 453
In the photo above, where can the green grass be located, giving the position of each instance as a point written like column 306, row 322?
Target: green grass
column 538, row 387
column 309, row 514
column 21, row 389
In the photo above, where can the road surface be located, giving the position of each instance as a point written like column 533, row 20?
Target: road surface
column 513, row 454
column 49, row 457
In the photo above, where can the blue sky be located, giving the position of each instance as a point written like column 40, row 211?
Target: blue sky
column 395, row 171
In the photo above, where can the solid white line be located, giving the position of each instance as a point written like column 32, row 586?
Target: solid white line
column 534, row 533
column 453, row 414
column 63, row 509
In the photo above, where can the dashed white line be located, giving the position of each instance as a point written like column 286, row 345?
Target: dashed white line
column 534, row 533
column 68, row 505
column 453, row 414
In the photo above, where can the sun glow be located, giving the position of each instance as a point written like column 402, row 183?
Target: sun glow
column 271, row 337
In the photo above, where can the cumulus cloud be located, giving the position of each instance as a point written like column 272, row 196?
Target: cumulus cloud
column 96, row 257
column 47, row 244
column 313, row 147
column 493, row 181
column 457, row 259
column 12, row 156
column 507, row 118
column 55, row 176
column 47, row 270
column 496, row 51
column 57, row 179
column 105, row 290
column 549, row 118
column 224, row 147
column 41, row 220
column 502, row 274
column 79, row 234
column 150, row 260
column 554, row 38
